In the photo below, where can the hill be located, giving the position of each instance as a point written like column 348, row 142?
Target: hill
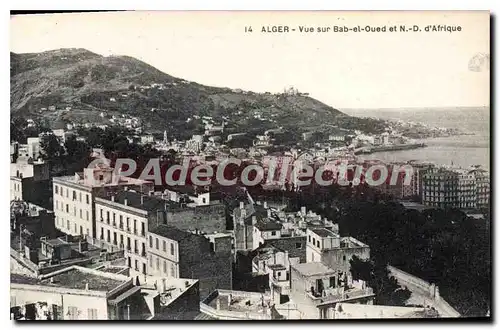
column 84, row 86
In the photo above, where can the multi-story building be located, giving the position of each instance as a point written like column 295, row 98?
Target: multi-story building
column 74, row 197
column 126, row 218
column 29, row 181
column 455, row 188
column 440, row 188
column 178, row 253
column 316, row 289
column 467, row 194
column 482, row 187
column 77, row 293
column 334, row 251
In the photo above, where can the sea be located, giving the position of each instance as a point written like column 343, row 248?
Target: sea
column 458, row 151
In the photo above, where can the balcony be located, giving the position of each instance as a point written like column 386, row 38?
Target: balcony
column 332, row 295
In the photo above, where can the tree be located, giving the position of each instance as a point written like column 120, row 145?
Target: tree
column 52, row 151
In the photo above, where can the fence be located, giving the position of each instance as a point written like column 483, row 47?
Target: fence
column 428, row 290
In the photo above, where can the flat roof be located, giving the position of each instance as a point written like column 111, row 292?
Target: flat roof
column 266, row 225
column 171, row 232
column 141, row 201
column 322, row 232
column 72, row 278
column 313, row 268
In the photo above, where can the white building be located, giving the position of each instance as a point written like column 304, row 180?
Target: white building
column 74, row 197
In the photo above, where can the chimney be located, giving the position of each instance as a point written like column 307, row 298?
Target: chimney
column 86, row 286
column 142, row 199
column 125, row 202
column 242, row 205
column 112, row 198
column 265, row 204
column 254, row 220
column 303, row 210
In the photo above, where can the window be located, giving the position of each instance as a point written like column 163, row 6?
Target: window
column 317, row 243
column 279, row 274
column 81, row 230
column 87, row 198
column 172, row 270
column 92, row 314
column 57, row 189
column 332, row 282
column 150, row 241
column 157, row 263
column 102, row 233
column 74, row 195
column 298, row 245
column 61, row 191
column 164, row 246
column 343, row 258
column 157, row 244
column 74, row 211
column 81, row 216
column 109, row 236
column 172, row 249
column 57, row 205
column 73, row 313
column 143, row 229
column 314, row 241
column 165, row 266
column 88, row 232
column 75, row 228
column 309, row 238
column 67, row 193
column 87, row 215
column 150, row 261
column 101, row 213
column 80, row 197
column 67, row 224
column 107, row 217
column 67, row 208
column 273, row 233
column 136, row 265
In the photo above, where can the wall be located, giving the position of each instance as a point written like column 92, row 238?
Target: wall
column 338, row 259
column 298, row 288
column 208, row 219
column 184, row 307
column 290, row 244
column 196, row 260
column 419, row 286
column 21, row 294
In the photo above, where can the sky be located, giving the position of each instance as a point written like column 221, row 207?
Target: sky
column 344, row 70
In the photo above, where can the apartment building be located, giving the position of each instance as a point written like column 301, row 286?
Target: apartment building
column 177, row 253
column 455, row 188
column 74, row 197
